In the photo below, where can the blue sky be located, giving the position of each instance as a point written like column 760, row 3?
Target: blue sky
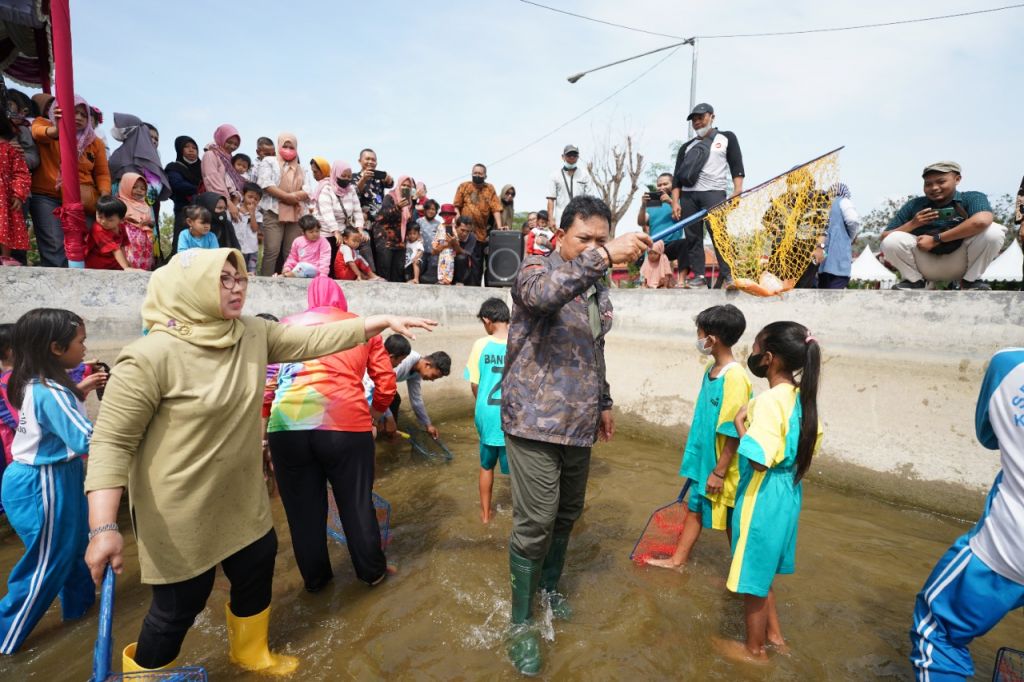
column 435, row 87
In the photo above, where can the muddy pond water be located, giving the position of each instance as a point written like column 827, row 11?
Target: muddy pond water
column 845, row 612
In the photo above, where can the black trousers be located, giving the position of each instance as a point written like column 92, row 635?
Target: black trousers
column 332, row 240
column 830, row 281
column 476, row 274
column 808, row 280
column 175, row 606
column 464, row 269
column 689, row 250
column 304, row 462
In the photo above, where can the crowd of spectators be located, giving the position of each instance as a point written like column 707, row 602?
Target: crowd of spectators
column 296, row 219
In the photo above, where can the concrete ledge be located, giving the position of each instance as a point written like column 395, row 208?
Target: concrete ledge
column 901, row 376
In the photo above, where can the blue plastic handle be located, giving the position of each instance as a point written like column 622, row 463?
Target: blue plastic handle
column 682, row 493
column 102, row 652
column 661, row 234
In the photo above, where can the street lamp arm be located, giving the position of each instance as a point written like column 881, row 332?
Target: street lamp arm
column 581, row 74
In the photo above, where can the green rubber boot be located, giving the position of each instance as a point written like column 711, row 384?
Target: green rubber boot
column 523, row 638
column 551, row 573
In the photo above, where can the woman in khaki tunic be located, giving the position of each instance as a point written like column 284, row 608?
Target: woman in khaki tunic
column 180, row 428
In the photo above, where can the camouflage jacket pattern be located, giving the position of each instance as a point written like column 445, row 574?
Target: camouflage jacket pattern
column 554, row 387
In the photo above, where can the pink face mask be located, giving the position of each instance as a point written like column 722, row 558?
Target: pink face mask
column 288, row 154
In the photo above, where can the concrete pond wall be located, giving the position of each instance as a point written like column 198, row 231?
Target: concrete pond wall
column 900, row 379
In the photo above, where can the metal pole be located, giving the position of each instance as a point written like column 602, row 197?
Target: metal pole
column 693, row 85
column 575, row 77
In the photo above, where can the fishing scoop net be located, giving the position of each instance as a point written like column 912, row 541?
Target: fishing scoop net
column 768, row 234
column 661, row 534
column 431, row 449
column 382, row 508
column 1009, row 666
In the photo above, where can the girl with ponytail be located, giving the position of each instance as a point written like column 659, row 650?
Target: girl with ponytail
column 779, row 432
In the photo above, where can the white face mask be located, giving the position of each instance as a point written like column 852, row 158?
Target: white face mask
column 570, row 166
column 702, row 348
column 701, row 132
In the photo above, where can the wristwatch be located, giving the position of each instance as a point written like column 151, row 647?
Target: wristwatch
column 937, row 237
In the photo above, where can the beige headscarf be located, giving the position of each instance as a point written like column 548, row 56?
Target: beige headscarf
column 183, row 299
column 292, row 178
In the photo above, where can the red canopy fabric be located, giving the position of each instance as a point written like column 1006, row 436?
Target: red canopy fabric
column 25, row 54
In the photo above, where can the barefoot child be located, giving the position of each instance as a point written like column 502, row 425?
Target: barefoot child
column 709, row 459
column 484, row 371
column 43, row 487
column 779, row 432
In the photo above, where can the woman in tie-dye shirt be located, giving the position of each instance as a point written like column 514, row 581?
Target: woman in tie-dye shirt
column 321, row 430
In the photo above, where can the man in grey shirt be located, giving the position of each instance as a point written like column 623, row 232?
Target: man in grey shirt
column 413, row 368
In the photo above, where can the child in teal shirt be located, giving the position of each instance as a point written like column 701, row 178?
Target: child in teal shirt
column 709, row 460
column 198, row 235
column 779, row 434
column 484, row 371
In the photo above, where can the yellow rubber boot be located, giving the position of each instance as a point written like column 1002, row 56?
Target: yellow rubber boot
column 128, row 664
column 248, row 640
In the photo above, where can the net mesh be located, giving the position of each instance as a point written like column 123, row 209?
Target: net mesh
column 768, row 234
column 661, row 534
column 381, row 506
column 1009, row 666
column 429, row 448
column 183, row 674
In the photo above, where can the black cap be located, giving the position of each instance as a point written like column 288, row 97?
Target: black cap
column 700, row 110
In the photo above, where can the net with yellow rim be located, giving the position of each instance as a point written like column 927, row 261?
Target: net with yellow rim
column 770, row 232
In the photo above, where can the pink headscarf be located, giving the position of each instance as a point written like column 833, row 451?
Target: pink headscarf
column 337, row 168
column 220, row 136
column 324, row 292
column 223, row 133
column 87, row 135
column 652, row 273
column 138, row 211
column 396, row 195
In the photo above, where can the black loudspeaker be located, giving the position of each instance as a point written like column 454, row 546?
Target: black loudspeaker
column 506, row 254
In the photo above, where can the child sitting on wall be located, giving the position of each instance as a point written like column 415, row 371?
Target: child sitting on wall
column 310, row 254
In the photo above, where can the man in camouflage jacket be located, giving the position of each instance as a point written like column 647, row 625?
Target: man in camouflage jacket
column 556, row 403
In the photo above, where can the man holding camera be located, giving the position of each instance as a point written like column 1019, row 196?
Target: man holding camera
column 656, row 209
column 704, row 166
column 945, row 235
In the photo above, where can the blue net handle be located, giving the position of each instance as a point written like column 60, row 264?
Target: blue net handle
column 679, row 498
column 666, row 231
column 103, row 651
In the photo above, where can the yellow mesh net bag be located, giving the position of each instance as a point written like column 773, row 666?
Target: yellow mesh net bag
column 768, row 234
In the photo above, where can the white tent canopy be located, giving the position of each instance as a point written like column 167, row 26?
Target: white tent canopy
column 866, row 268
column 1008, row 267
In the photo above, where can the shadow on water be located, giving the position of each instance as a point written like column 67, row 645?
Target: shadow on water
column 845, row 612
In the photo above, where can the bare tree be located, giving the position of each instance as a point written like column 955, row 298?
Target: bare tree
column 616, row 172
